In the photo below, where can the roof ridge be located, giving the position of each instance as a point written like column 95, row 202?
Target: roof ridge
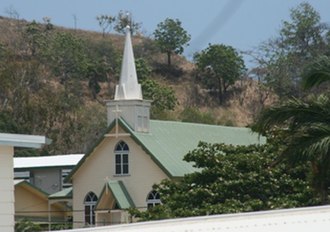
column 197, row 124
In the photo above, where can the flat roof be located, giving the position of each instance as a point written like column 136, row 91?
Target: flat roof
column 19, row 140
column 284, row 220
column 47, row 161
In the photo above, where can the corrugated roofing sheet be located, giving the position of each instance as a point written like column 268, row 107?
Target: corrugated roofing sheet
column 170, row 141
column 65, row 193
column 121, row 195
column 47, row 161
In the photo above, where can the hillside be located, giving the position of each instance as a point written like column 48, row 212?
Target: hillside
column 54, row 81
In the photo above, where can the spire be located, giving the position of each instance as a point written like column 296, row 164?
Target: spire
column 128, row 87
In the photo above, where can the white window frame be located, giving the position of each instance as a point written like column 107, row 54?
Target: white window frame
column 153, row 199
column 121, row 159
column 90, row 204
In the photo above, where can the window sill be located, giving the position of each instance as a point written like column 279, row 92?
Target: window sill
column 121, row 175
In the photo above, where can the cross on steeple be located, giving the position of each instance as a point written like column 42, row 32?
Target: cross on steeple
column 116, row 111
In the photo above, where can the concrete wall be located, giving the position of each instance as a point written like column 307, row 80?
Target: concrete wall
column 100, row 165
column 6, row 189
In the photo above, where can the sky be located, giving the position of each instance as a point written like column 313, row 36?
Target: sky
column 243, row 24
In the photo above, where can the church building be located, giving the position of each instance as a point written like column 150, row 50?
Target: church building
column 135, row 153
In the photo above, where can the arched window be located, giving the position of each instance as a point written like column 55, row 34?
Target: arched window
column 153, row 199
column 90, row 202
column 121, row 158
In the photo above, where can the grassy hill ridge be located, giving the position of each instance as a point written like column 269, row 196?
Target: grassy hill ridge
column 54, row 81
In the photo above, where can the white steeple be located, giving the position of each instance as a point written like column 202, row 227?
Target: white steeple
column 128, row 103
column 128, row 87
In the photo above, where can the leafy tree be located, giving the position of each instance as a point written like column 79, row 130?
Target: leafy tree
column 231, row 179
column 33, row 35
column 105, row 22
column 93, row 83
column 7, row 123
column 48, row 24
column 300, row 40
column 105, row 60
column 163, row 98
column 171, row 37
column 36, row 37
column 218, row 67
column 123, row 20
column 143, row 70
column 67, row 56
column 25, row 225
column 191, row 114
column 306, row 125
column 304, row 34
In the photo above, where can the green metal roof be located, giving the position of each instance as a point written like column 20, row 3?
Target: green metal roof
column 64, row 194
column 168, row 141
column 119, row 192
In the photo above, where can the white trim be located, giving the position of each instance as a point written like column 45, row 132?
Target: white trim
column 118, row 135
column 19, row 140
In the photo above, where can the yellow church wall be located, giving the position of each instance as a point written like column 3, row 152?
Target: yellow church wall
column 100, row 167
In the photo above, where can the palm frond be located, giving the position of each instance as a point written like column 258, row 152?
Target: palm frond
column 309, row 144
column 317, row 73
column 295, row 113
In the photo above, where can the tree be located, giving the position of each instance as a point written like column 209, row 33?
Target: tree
column 193, row 114
column 143, row 70
column 317, row 73
column 306, row 125
column 231, row 179
column 171, row 37
column 105, row 22
column 163, row 98
column 304, row 34
column 67, row 56
column 300, row 40
column 123, row 20
column 218, row 67
column 26, row 225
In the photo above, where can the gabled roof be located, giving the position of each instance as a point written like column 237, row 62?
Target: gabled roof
column 63, row 194
column 47, row 161
column 31, row 188
column 168, row 142
column 119, row 192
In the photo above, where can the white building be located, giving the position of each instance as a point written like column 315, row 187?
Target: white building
column 46, row 172
column 7, row 144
